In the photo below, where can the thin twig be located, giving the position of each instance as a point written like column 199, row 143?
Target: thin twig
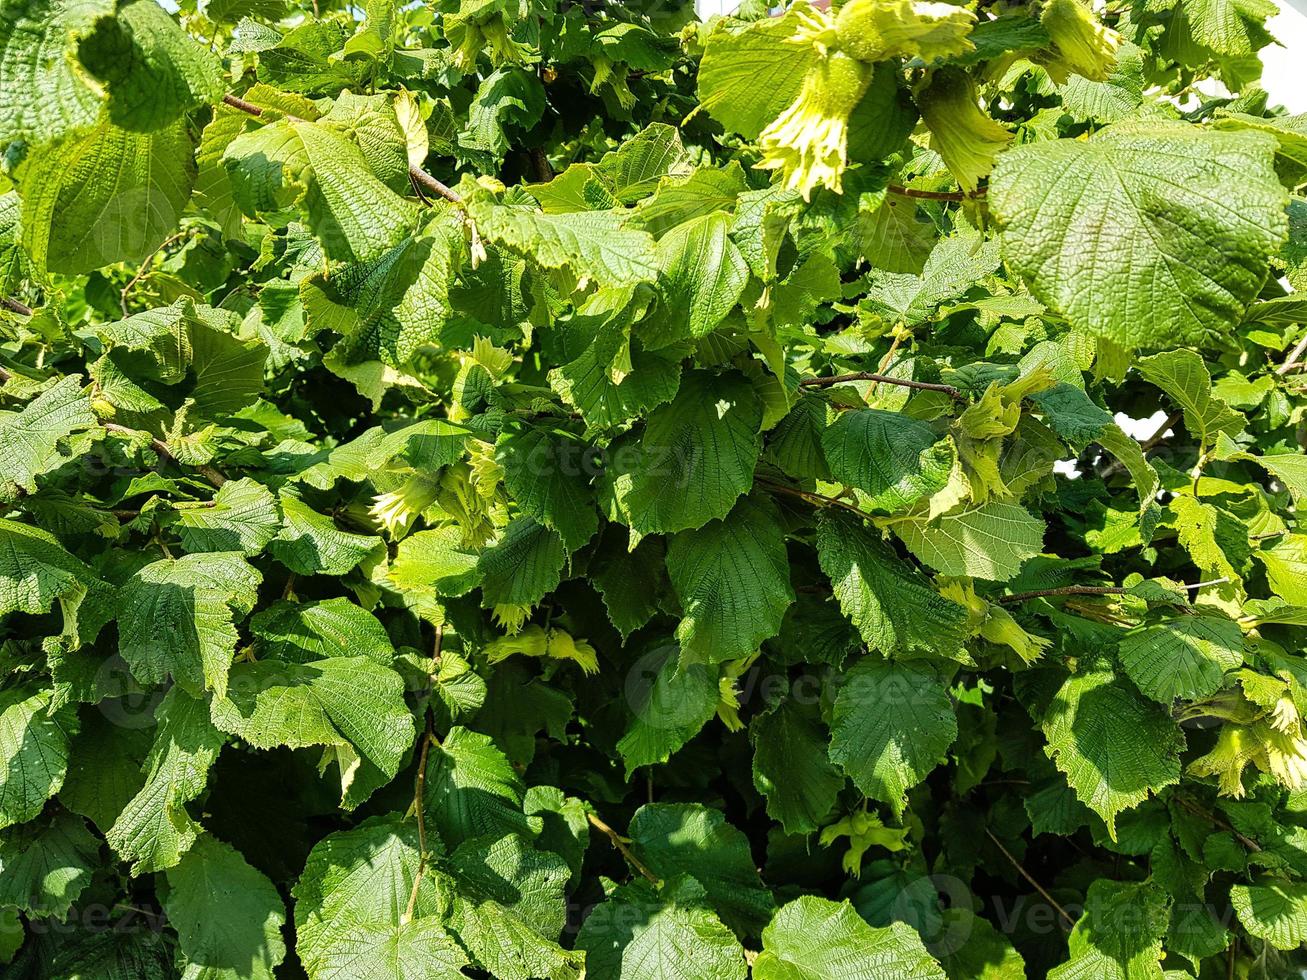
column 213, row 475
column 808, row 496
column 420, row 786
column 427, row 182
column 936, row 195
column 1030, row 878
column 13, row 306
column 126, row 290
column 1291, row 362
column 620, row 843
column 840, row 379
column 419, row 176
column 1195, row 809
column 1093, row 590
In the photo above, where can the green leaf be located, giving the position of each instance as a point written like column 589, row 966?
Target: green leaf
column 297, row 163
column 733, row 581
column 701, row 276
column 35, row 572
column 669, row 932
column 394, row 305
column 1183, row 375
column 304, row 632
column 592, row 346
column 895, row 609
column 45, row 92
column 511, row 906
column 791, row 767
column 509, row 97
column 1149, row 234
column 991, row 541
column 228, row 916
column 687, row 839
column 1119, row 935
column 1114, row 747
column 351, row 706
column 1182, row 658
column 103, row 196
column 45, row 865
column 813, row 938
column 522, row 566
column 176, row 617
column 104, row 762
column 892, row 724
column 549, row 477
column 591, row 244
column 695, row 457
column 1286, row 567
column 352, row 919
column 310, row 543
column 894, row 459
column 33, row 751
column 436, row 563
column 748, row 76
column 1273, row 910
column 152, row 70
column 630, row 582
column 241, row 517
column 154, row 829
column 33, row 441
column 472, row 791
column 983, row 954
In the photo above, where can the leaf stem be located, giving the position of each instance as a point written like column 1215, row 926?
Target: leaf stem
column 1030, row 878
column 840, row 379
column 420, row 786
column 619, row 842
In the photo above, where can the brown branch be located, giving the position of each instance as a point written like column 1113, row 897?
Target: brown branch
column 419, row 176
column 936, row 195
column 1030, row 878
column 540, row 161
column 1093, row 590
column 619, row 842
column 213, row 475
column 840, row 379
column 817, row 499
column 13, row 306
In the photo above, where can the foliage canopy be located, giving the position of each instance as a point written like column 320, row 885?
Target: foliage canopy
column 513, row 489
